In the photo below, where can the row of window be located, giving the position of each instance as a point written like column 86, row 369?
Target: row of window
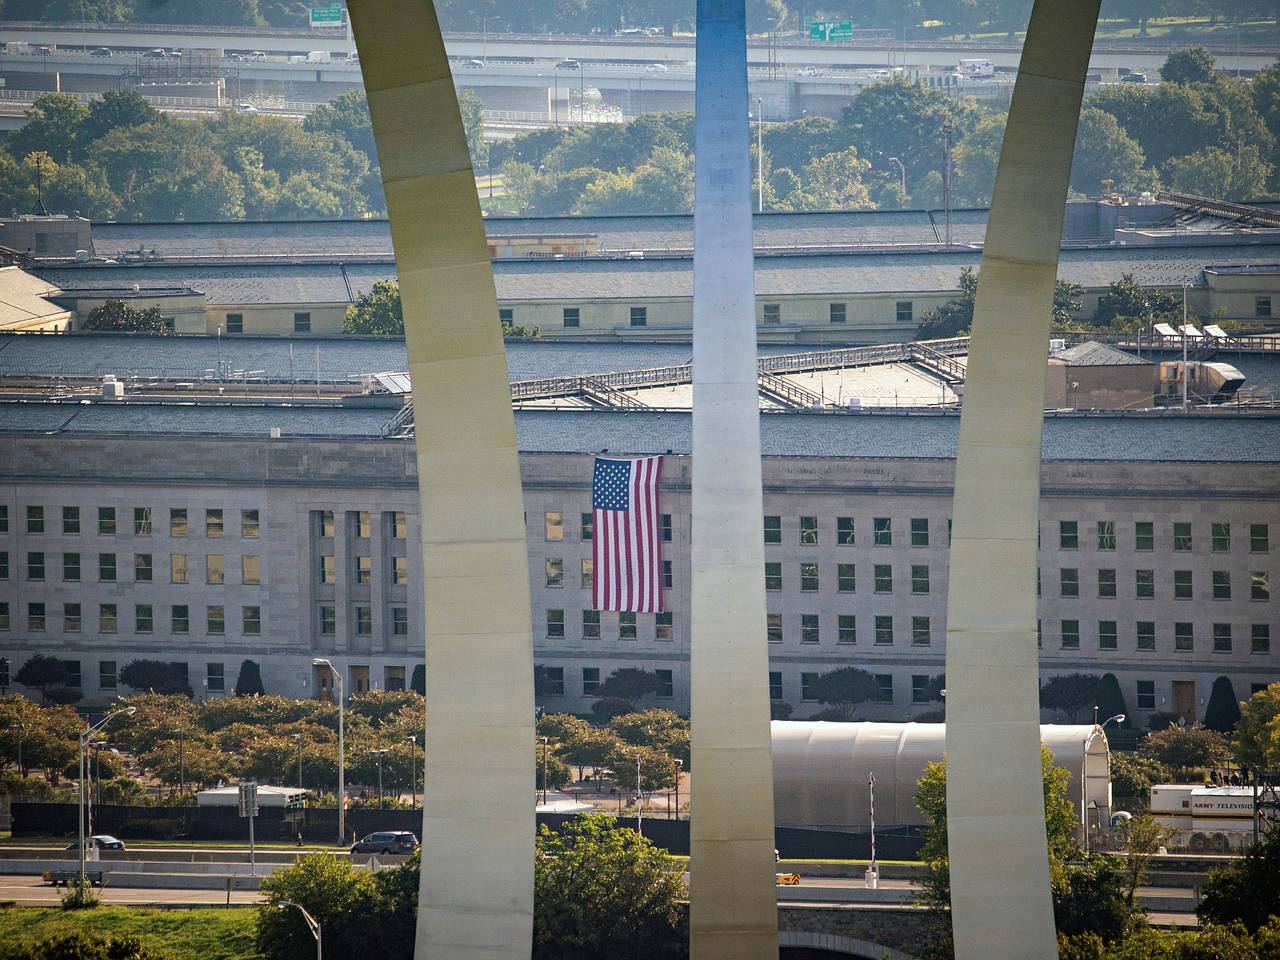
column 554, row 526
column 846, row 578
column 571, row 317
column 360, row 523
column 628, row 626
column 553, row 573
column 1145, row 636
column 110, row 521
column 215, row 567
column 398, row 568
column 327, row 620
column 551, row 682
column 1144, row 584
column 144, row 618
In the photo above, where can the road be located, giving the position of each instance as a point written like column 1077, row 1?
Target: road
column 34, row 892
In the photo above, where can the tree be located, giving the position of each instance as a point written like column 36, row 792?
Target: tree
column 591, row 748
column 630, row 684
column 1186, row 748
column 332, row 889
column 1245, row 891
column 376, row 312
column 550, row 769
column 156, row 676
column 663, row 730
column 657, row 770
column 472, row 109
column 190, row 761
column 115, row 109
column 1110, row 699
column 1068, row 299
column 662, row 184
column 40, row 672
column 118, row 317
column 1103, row 151
column 1188, row 65
column 1069, row 694
column 955, row 316
column 418, row 681
column 52, row 126
column 842, row 690
column 1257, row 739
column 605, row 709
column 976, row 158
column 1132, row 774
column 249, row 679
column 1223, row 712
column 1143, row 837
column 602, row 891
column 833, row 182
column 1125, row 299
column 347, row 117
column 1219, row 174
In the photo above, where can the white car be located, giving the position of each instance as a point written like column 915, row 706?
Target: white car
column 809, row 71
column 655, row 68
column 244, row 106
column 568, row 65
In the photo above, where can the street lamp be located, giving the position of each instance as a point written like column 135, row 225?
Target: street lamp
column 902, row 171
column 1096, row 732
column 484, row 31
column 342, row 752
column 413, row 769
column 639, row 797
column 182, row 761
column 298, row 737
column 760, row 152
column 312, row 924
column 679, row 770
column 545, row 741
column 379, row 753
column 84, row 738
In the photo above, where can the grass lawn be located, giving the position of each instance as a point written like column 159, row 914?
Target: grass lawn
column 210, row 934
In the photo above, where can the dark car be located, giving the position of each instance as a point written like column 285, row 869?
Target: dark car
column 102, row 841
column 390, row 841
column 100, row 52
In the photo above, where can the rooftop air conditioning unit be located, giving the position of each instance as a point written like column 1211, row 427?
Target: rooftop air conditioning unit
column 854, row 403
column 275, row 433
column 112, row 389
column 1057, row 345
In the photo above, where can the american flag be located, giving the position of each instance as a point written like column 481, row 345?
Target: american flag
column 626, row 539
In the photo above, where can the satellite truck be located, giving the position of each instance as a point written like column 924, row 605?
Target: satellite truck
column 977, row 68
column 1204, row 819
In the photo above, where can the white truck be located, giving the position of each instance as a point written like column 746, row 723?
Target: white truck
column 1204, row 819
column 319, row 56
column 977, row 68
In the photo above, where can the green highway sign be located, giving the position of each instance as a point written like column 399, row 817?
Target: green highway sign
column 828, row 30
column 326, row 16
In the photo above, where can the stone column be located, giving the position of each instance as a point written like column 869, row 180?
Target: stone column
column 733, row 900
column 476, row 896
column 1000, row 901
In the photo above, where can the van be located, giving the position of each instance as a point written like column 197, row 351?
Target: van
column 257, row 56
column 319, row 56
column 568, row 65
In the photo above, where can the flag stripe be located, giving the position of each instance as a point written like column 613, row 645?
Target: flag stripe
column 626, row 548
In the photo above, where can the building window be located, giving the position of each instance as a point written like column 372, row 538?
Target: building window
column 1262, row 307
column 846, row 628
column 214, row 677
column 1146, row 695
column 251, row 621
column 1106, row 534
column 666, row 574
column 364, row 570
column 328, row 568
column 1220, row 537
column 555, row 571
column 884, row 631
column 106, row 568
column 399, row 571
column 772, row 529
column 70, row 568
column 554, row 527
column 808, row 578
column 663, row 626
column 666, row 686
column 71, row 617
column 1068, row 535
column 837, row 312
column 250, row 569
column 364, row 621
column 1259, row 538
column 106, row 521
column 807, row 680
column 364, row 524
column 72, row 668
column 325, row 521
column 773, row 576
column 664, row 525
column 178, row 522
column 639, row 316
column 35, row 520
column 903, row 312
column 809, row 632
column 1146, row 631
column 921, row 634
column 179, row 618
column 506, row 316
column 1182, row 537
column 70, row 521
column 1144, row 536
column 35, row 565
column 235, row 323
column 144, row 618
column 1183, row 636
column 846, row 578
column 302, row 323
column 883, row 578
column 1182, row 584
column 1261, row 638
column 590, row 624
column 35, row 616
column 627, row 625
column 919, row 688
column 1222, row 638
column 399, row 525
column 4, row 619
column 586, row 527
column 884, row 688
column 920, row 531
column 1259, row 585
column 1221, row 584
column 4, row 564
column 106, row 674
column 250, row 524
column 4, row 518
column 1106, row 583
column 773, row 627
column 142, row 521
column 587, row 572
column 215, row 568
column 809, row 531
column 1070, row 634
column 590, row 681
column 328, row 620
column 844, row 531
column 216, row 620
column 1144, row 584
column 1107, row 635
column 772, row 313
column 775, row 684
column 882, row 531
column 572, row 316
column 1069, row 582
column 555, row 624
column 553, row 681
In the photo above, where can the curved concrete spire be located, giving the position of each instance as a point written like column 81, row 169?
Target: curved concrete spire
column 733, row 900
column 476, row 897
column 1001, row 907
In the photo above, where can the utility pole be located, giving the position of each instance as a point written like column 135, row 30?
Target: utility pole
column 545, row 741
column 639, row 798
column 342, row 750
column 946, row 178
column 413, row 769
column 298, row 737
column 379, row 753
column 1185, row 372
column 760, row 151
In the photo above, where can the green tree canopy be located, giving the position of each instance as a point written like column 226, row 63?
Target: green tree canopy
column 52, row 126
column 249, row 679
column 1223, row 712
column 842, row 690
column 1126, row 299
column 1188, row 65
column 1104, row 151
column 118, row 317
column 157, row 676
column 376, row 312
column 1257, row 738
column 1069, row 694
column 1246, row 890
column 1185, row 748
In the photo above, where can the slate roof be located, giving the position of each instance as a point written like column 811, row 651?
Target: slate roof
column 1094, row 354
column 1217, row 438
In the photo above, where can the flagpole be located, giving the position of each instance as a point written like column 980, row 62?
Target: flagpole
column 873, row 871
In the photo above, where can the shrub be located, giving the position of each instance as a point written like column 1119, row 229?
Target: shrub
column 249, row 680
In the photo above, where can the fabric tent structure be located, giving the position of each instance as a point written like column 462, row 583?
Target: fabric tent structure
column 820, row 769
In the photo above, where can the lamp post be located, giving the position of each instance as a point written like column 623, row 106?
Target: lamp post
column 22, row 729
column 342, row 753
column 639, row 798
column 679, row 770
column 1084, row 768
column 85, row 737
column 312, row 924
column 484, row 30
column 760, row 153
column 413, row 769
column 1184, row 348
column 545, row 741
column 298, row 738
column 902, row 171
column 379, row 752
column 182, row 761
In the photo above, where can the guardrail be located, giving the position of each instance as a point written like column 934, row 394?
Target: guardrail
column 192, row 103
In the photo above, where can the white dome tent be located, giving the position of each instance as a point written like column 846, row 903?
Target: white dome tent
column 820, row 770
